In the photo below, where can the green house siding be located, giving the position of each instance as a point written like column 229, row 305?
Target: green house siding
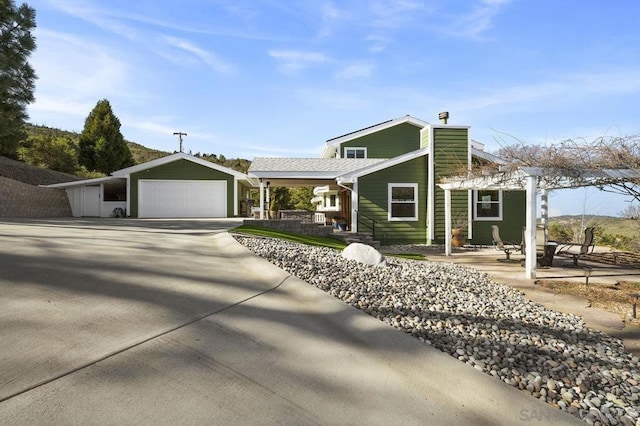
column 513, row 214
column 459, row 210
column 373, row 201
column 180, row 170
column 387, row 143
column 450, row 157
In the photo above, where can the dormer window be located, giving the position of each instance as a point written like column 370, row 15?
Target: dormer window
column 355, row 152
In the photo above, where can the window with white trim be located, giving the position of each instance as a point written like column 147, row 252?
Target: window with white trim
column 403, row 201
column 487, row 204
column 350, row 152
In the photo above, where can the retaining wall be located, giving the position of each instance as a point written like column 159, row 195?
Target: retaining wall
column 19, row 199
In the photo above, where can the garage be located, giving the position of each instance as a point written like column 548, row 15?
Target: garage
column 182, row 198
column 176, row 186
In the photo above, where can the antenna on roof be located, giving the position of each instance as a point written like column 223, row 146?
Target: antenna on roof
column 180, row 135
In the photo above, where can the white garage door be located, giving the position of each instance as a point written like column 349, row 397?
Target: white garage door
column 182, row 198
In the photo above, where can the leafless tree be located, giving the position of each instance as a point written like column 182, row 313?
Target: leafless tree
column 609, row 163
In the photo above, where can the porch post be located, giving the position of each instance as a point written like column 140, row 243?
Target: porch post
column 354, row 206
column 261, row 200
column 447, row 222
column 530, row 231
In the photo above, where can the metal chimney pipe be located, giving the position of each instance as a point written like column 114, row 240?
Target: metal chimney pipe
column 443, row 116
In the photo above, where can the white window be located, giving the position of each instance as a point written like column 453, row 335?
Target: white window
column 487, row 205
column 355, row 153
column 403, row 201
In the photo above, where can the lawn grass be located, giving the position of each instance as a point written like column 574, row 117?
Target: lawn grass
column 330, row 242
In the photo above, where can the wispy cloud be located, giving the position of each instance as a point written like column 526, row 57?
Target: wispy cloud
column 395, row 13
column 217, row 64
column 293, row 61
column 478, row 21
column 74, row 73
column 98, row 16
column 356, row 71
column 331, row 15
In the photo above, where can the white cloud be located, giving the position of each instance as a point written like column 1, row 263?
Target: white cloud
column 293, row 61
column 355, row 71
column 73, row 74
column 478, row 21
column 378, row 42
column 330, row 16
column 100, row 17
column 393, row 14
column 208, row 58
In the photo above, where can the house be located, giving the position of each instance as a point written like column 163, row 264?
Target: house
column 383, row 179
column 175, row 186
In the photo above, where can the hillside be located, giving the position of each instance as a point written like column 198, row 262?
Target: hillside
column 140, row 153
column 22, row 172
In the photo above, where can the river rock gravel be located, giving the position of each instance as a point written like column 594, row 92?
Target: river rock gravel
column 492, row 327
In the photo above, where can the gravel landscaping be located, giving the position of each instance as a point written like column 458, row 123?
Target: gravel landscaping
column 492, row 327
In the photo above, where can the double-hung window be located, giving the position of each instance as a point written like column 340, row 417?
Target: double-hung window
column 403, row 201
column 487, row 205
column 355, row 153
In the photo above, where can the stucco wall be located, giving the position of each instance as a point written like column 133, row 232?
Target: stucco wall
column 19, row 199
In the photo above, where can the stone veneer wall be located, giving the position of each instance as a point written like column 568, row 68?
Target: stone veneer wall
column 296, row 226
column 19, row 199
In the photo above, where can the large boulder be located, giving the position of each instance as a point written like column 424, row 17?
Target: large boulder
column 364, row 254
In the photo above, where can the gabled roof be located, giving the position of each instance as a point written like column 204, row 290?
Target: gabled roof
column 350, row 176
column 333, row 144
column 307, row 168
column 175, row 157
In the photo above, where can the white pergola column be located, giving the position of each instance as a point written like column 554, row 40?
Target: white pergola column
column 261, row 200
column 447, row 222
column 530, row 231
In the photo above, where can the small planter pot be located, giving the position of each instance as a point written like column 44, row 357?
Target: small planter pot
column 457, row 238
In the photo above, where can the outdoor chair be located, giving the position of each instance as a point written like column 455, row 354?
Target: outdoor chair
column 507, row 247
column 579, row 250
column 545, row 250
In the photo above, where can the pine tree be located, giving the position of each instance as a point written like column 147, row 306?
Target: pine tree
column 17, row 77
column 102, row 146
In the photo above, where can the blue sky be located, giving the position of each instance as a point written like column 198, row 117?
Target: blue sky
column 248, row 78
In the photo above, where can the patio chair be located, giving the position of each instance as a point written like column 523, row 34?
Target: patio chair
column 545, row 250
column 579, row 250
column 507, row 247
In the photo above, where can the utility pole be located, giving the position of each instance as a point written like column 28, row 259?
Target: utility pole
column 180, row 135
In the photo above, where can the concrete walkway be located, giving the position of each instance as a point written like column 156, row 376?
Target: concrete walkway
column 173, row 322
column 512, row 274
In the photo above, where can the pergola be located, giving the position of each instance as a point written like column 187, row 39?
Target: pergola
column 533, row 180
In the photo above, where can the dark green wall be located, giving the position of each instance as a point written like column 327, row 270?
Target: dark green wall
column 450, row 157
column 181, row 170
column 373, row 201
column 514, row 204
column 387, row 143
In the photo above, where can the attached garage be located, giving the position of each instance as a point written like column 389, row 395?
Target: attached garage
column 182, row 198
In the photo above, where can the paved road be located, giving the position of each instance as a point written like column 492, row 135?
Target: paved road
column 172, row 322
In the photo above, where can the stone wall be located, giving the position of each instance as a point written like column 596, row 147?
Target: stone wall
column 19, row 199
column 296, row 226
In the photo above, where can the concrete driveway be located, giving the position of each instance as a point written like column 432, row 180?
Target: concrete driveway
column 172, row 322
